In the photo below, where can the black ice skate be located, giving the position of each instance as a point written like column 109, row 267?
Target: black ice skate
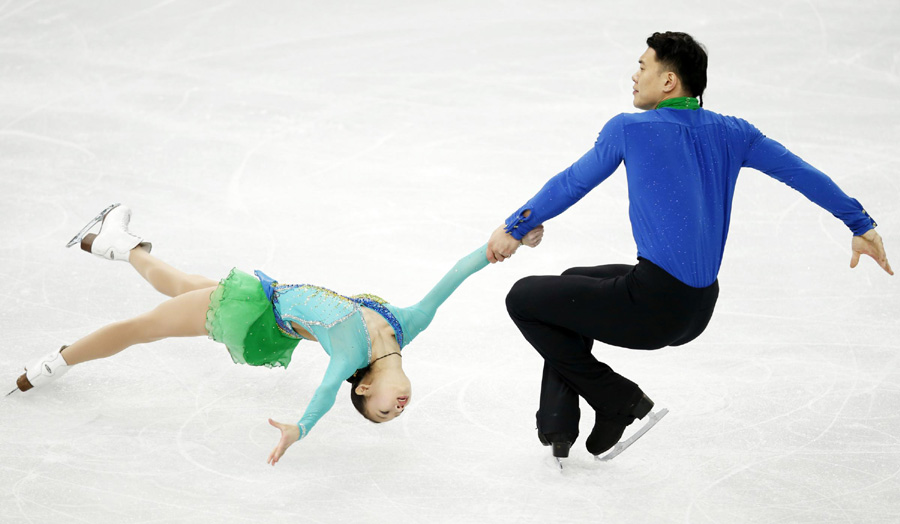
column 560, row 442
column 623, row 445
column 557, row 420
column 608, row 431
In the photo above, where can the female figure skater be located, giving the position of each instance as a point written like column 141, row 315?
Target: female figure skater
column 261, row 322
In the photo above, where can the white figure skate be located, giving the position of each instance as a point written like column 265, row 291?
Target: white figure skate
column 44, row 371
column 114, row 241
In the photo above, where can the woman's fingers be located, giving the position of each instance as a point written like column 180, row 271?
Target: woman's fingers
column 279, row 449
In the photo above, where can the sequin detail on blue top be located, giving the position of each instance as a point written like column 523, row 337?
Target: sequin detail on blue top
column 376, row 304
column 373, row 302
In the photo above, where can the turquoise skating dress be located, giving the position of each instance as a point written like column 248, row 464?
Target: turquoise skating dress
column 252, row 317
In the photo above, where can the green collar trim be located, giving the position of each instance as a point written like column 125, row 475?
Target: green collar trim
column 684, row 102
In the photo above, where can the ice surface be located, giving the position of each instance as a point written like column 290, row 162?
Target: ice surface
column 366, row 146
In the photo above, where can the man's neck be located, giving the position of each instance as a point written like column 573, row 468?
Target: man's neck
column 681, row 102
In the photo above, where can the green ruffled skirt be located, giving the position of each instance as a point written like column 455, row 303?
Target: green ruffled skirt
column 241, row 317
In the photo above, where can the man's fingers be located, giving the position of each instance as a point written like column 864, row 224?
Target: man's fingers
column 882, row 256
column 877, row 255
column 883, row 262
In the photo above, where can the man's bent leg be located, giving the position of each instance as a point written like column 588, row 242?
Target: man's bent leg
column 556, row 314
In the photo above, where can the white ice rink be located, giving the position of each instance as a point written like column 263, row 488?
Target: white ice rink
column 366, row 146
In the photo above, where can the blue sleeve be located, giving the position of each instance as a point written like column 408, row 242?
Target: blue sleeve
column 775, row 160
column 569, row 186
column 323, row 399
column 416, row 318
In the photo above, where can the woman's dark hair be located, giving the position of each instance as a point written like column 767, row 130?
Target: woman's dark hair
column 685, row 56
column 359, row 401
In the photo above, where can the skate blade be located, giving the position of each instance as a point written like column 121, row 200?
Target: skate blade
column 11, row 392
column 96, row 220
column 625, row 444
column 559, row 463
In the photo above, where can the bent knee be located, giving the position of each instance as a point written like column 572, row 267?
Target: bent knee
column 520, row 296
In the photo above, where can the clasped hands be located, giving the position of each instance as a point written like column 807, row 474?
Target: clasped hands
column 502, row 245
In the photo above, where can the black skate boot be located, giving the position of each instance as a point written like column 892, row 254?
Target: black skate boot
column 561, row 442
column 557, row 419
column 608, row 430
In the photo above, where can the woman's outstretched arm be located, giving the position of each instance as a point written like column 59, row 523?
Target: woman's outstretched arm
column 416, row 318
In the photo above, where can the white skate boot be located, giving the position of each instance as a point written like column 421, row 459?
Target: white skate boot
column 114, row 241
column 45, row 370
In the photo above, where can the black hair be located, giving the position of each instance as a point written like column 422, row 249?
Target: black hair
column 359, row 401
column 685, row 56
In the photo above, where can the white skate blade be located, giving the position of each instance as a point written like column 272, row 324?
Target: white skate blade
column 623, row 445
column 96, row 220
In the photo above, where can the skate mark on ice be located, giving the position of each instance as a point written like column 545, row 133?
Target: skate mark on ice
column 799, row 504
column 184, row 452
column 138, row 14
column 49, row 140
column 423, row 447
column 119, row 495
column 461, row 404
column 13, row 12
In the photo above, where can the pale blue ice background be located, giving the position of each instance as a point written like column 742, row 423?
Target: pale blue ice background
column 366, row 146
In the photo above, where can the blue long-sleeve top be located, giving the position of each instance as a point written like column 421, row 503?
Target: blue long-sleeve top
column 337, row 323
column 682, row 166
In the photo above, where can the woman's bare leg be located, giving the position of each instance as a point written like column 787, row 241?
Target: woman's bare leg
column 165, row 278
column 181, row 316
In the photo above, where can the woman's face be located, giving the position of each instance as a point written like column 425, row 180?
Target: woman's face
column 387, row 395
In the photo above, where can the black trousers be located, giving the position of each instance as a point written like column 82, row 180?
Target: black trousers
column 636, row 307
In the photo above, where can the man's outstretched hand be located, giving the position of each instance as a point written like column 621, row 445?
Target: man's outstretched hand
column 867, row 244
column 502, row 245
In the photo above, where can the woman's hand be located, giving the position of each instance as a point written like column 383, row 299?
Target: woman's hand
column 290, row 433
column 502, row 245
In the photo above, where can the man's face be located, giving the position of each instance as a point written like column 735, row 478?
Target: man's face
column 649, row 81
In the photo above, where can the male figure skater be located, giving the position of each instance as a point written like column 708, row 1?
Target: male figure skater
column 682, row 163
